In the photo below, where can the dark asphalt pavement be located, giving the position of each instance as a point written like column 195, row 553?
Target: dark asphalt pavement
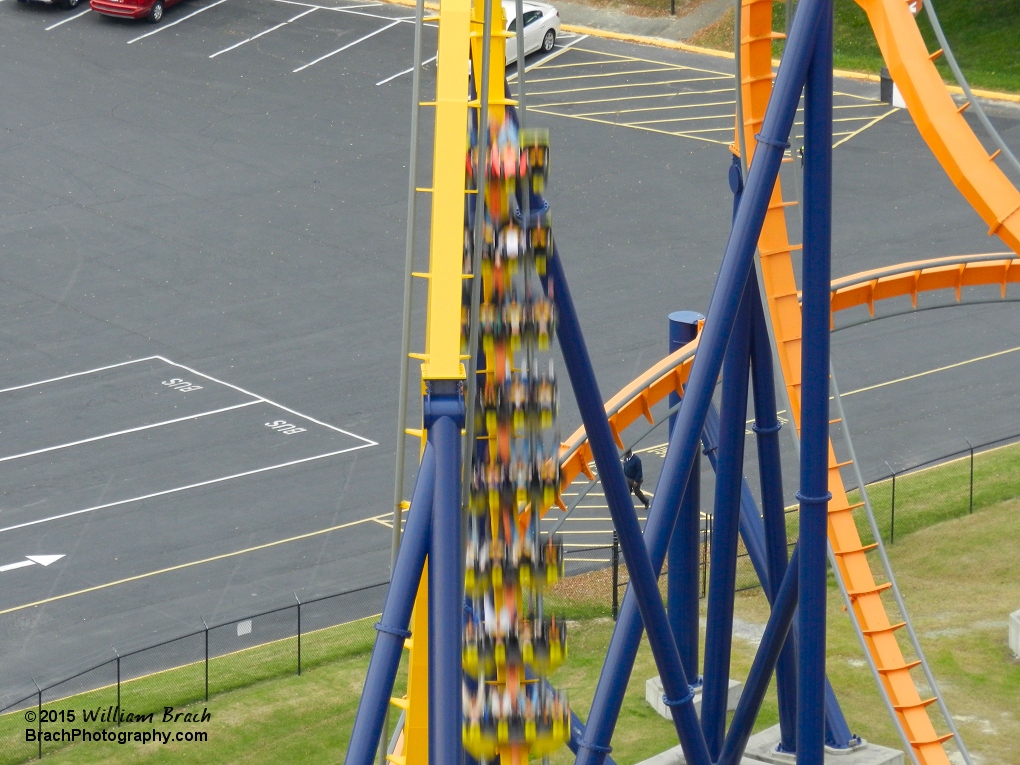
column 189, row 195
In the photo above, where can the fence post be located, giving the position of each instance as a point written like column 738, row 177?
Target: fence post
column 206, row 658
column 616, row 575
column 706, row 545
column 892, row 508
column 118, row 683
column 298, row 633
column 38, row 717
column 971, row 510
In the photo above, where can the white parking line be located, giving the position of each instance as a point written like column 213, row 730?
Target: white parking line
column 70, row 18
column 175, row 23
column 347, row 9
column 262, row 34
column 79, row 374
column 181, row 488
column 407, row 71
column 130, row 430
column 348, row 45
column 562, row 49
column 368, row 441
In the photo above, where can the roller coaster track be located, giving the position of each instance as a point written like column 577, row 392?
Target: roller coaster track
column 970, row 167
column 975, row 174
column 998, row 203
column 862, row 289
column 941, row 121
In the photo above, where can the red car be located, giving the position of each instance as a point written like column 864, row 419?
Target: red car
column 151, row 10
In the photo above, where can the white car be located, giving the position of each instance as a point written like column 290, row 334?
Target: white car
column 541, row 27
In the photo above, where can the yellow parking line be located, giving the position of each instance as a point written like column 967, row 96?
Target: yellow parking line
column 716, row 141
column 705, row 130
column 932, row 371
column 601, row 122
column 594, row 62
column 678, row 94
column 684, row 119
column 649, row 61
column 860, row 98
column 863, row 128
column 852, row 119
column 856, row 119
column 859, row 106
column 190, row 564
column 622, row 85
column 603, row 74
column 658, row 108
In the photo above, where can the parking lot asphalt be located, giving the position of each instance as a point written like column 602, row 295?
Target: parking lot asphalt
column 224, row 195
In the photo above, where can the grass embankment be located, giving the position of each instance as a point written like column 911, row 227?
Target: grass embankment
column 260, row 710
column 960, row 579
column 983, row 35
column 645, row 8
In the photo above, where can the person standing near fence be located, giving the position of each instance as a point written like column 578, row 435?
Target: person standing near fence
column 635, row 475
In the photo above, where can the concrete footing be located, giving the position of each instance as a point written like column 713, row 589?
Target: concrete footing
column 675, row 756
column 653, row 695
column 1014, row 634
column 762, row 748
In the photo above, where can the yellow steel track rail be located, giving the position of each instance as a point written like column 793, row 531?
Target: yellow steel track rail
column 442, row 360
column 461, row 37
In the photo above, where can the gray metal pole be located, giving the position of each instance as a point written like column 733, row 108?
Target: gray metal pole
column 405, row 340
column 478, row 243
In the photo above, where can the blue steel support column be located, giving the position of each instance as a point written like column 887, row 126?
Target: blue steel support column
column 396, row 615
column 685, row 543
column 752, row 531
column 766, row 428
column 678, row 694
column 690, row 420
column 772, row 642
column 446, row 578
column 725, row 527
column 814, row 494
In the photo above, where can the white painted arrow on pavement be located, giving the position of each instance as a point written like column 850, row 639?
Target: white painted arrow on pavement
column 31, row 560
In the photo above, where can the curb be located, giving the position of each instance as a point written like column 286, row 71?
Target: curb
column 661, row 42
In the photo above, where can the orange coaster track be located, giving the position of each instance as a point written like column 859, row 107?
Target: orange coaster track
column 862, row 289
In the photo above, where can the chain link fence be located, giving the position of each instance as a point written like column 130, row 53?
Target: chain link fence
column 189, row 669
column 952, row 486
column 910, row 498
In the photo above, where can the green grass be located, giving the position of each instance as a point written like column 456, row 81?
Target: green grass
column 982, row 33
column 249, row 690
column 648, row 8
column 958, row 575
column 940, row 493
column 959, row 578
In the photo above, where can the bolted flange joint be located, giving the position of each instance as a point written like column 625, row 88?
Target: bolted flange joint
column 443, row 398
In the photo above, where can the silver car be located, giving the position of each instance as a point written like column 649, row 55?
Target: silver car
column 541, row 27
